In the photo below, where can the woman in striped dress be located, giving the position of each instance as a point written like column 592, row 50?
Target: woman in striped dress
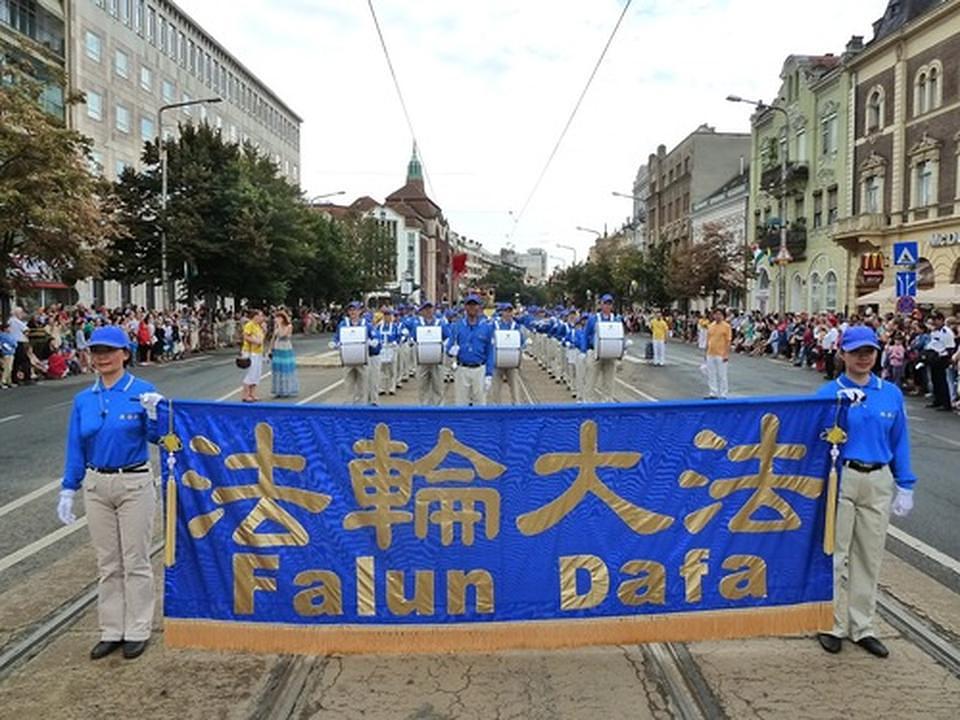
column 284, row 364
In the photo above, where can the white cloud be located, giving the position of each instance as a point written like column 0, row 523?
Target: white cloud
column 490, row 84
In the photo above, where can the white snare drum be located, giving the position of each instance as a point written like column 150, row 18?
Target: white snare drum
column 609, row 342
column 429, row 345
column 353, row 345
column 506, row 349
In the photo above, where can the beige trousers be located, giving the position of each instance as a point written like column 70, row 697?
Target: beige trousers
column 863, row 513
column 430, row 380
column 373, row 379
column 601, row 375
column 6, row 363
column 468, row 386
column 509, row 377
column 120, row 511
column 356, row 382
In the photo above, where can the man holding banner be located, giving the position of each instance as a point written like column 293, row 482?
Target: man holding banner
column 876, row 480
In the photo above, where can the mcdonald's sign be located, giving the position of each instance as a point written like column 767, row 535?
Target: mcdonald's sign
column 871, row 265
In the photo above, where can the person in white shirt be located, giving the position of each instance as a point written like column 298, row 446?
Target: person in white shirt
column 940, row 349
column 21, row 358
column 828, row 344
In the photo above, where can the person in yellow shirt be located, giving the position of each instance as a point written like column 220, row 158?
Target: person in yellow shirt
column 253, row 340
column 719, row 337
column 658, row 327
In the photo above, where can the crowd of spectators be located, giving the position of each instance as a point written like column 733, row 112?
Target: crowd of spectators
column 51, row 343
column 918, row 350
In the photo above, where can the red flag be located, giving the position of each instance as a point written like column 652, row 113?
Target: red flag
column 460, row 264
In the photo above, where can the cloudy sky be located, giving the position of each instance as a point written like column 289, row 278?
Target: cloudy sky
column 490, row 84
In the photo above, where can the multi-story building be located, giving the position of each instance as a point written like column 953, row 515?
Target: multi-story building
column 723, row 213
column 533, row 262
column 423, row 217
column 905, row 153
column 34, row 32
column 132, row 57
column 475, row 266
column 806, row 125
column 690, row 172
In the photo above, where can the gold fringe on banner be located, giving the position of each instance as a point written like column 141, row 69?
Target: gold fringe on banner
column 488, row 636
column 170, row 530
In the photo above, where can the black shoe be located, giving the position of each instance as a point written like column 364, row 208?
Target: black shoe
column 104, row 648
column 830, row 643
column 134, row 648
column 873, row 646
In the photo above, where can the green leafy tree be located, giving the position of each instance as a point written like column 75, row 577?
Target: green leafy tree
column 55, row 214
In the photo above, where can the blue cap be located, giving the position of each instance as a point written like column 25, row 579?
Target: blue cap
column 109, row 336
column 425, row 304
column 472, row 298
column 606, row 298
column 859, row 336
column 355, row 304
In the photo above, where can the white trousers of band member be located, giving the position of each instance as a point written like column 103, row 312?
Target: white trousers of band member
column 659, row 352
column 601, row 375
column 373, row 379
column 863, row 513
column 581, row 375
column 356, row 382
column 509, row 377
column 408, row 358
column 388, row 373
column 120, row 511
column 430, row 381
column 468, row 386
column 717, row 376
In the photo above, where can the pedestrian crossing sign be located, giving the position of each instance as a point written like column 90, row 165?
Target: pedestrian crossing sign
column 905, row 253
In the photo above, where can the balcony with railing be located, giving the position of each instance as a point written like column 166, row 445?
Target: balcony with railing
column 865, row 224
column 798, row 173
column 768, row 238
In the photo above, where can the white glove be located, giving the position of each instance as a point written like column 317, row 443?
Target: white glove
column 372, row 342
column 487, row 383
column 454, row 351
column 332, row 344
column 149, row 402
column 902, row 503
column 855, row 395
column 65, row 507
column 628, row 342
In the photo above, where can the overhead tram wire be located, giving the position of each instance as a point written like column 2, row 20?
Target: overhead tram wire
column 403, row 103
column 573, row 114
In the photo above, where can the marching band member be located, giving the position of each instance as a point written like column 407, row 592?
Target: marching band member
column 508, row 376
column 110, row 426
column 390, row 338
column 601, row 373
column 430, row 377
column 356, row 375
column 470, row 342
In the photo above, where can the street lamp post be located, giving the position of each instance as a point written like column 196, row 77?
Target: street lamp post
column 783, row 255
column 590, row 230
column 312, row 200
column 164, row 279
column 571, row 249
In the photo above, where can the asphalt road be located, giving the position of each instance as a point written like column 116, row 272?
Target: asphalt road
column 33, row 423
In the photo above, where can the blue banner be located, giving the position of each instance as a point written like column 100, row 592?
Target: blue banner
column 354, row 529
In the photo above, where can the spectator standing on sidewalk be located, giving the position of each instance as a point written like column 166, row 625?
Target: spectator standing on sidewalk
column 658, row 328
column 253, row 340
column 21, row 358
column 876, row 479
column 8, row 348
column 107, row 455
column 283, row 361
column 940, row 349
column 719, row 336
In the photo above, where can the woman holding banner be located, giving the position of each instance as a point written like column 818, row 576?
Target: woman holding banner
column 876, row 479
column 107, row 455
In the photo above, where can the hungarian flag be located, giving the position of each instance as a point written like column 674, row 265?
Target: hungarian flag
column 460, row 264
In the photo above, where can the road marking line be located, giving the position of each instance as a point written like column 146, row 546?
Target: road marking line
column 23, row 553
column 23, row 500
column 523, row 386
column 921, row 547
column 234, row 392
column 325, row 390
column 9, row 418
column 941, row 438
column 638, row 391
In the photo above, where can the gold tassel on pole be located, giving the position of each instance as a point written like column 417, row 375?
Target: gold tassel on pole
column 836, row 437
column 171, row 443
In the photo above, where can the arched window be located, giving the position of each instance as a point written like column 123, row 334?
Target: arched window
column 920, row 94
column 831, row 287
column 816, row 293
column 926, row 278
column 796, row 294
column 956, row 273
column 875, row 110
column 933, row 89
column 763, row 280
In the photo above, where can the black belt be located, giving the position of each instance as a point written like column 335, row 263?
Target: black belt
column 864, row 467
column 129, row 470
column 471, row 365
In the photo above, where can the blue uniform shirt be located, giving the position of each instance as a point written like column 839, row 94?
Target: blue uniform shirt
column 877, row 428
column 108, row 429
column 475, row 342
